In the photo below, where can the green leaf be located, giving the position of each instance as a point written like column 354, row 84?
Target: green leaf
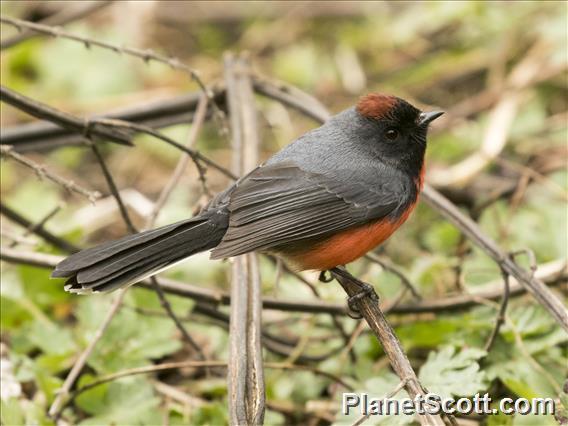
column 128, row 401
column 50, row 339
column 93, row 400
column 521, row 377
column 11, row 413
column 131, row 340
column 447, row 373
column 210, row 414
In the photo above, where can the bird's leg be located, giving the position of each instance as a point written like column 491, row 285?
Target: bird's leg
column 325, row 278
column 340, row 273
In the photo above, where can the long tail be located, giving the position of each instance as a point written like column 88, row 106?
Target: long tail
column 132, row 258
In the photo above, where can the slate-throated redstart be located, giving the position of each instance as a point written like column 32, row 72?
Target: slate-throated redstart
column 324, row 200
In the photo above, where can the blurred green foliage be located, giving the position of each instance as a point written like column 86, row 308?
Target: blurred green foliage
column 436, row 53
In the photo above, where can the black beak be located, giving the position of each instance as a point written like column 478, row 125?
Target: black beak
column 427, row 117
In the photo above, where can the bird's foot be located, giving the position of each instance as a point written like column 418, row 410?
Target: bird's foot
column 352, row 302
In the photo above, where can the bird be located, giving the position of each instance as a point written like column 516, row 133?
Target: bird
column 321, row 202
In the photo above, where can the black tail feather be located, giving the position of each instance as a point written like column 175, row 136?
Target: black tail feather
column 135, row 257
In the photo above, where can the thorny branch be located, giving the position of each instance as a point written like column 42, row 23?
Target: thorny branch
column 66, row 15
column 63, row 119
column 41, row 171
column 145, row 55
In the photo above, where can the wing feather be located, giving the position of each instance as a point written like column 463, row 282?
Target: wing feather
column 281, row 203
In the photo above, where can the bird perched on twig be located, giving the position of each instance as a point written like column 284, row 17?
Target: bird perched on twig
column 325, row 200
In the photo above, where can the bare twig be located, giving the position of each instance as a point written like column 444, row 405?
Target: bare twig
column 245, row 375
column 530, row 255
column 37, row 229
column 54, row 410
column 198, row 120
column 113, row 188
column 63, row 119
column 35, row 226
column 369, row 308
column 66, row 15
column 197, row 364
column 291, row 96
column 42, row 172
column 501, row 314
column 41, row 135
column 391, row 394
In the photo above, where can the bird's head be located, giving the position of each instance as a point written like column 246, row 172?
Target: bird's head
column 397, row 129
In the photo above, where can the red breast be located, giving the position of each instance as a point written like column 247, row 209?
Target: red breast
column 349, row 245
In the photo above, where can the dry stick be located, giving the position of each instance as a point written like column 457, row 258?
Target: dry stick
column 369, row 308
column 156, row 113
column 55, row 409
column 391, row 394
column 37, row 229
column 42, row 172
column 245, row 372
column 553, row 272
column 63, row 119
column 39, row 224
column 501, row 314
column 198, row 364
column 64, row 16
column 197, row 123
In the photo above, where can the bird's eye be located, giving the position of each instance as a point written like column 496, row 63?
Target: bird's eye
column 391, row 134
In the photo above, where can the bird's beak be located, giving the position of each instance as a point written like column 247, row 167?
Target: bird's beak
column 427, row 117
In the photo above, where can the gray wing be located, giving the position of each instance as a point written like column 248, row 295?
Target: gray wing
column 281, row 203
